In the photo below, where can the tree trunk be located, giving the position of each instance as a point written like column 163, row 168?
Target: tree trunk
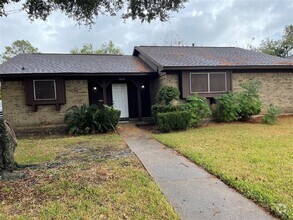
column 8, row 144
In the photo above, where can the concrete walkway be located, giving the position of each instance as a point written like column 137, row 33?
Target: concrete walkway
column 194, row 193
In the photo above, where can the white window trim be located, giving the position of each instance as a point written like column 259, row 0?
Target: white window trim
column 44, row 80
column 209, row 89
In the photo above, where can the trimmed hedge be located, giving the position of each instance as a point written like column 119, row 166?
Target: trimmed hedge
column 173, row 121
column 166, row 94
column 159, row 108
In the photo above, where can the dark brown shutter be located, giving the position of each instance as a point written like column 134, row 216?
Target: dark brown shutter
column 29, row 92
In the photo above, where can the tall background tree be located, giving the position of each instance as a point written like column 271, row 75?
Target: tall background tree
column 18, row 47
column 86, row 11
column 281, row 48
column 106, row 48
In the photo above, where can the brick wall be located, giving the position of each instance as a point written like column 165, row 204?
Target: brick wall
column 170, row 79
column 19, row 114
column 277, row 88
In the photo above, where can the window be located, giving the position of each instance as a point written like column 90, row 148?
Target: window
column 208, row 82
column 44, row 89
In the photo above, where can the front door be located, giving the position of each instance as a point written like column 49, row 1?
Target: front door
column 120, row 98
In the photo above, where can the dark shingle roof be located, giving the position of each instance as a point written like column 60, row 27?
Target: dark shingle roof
column 71, row 63
column 290, row 57
column 175, row 56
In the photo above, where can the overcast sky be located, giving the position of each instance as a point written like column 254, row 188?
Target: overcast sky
column 203, row 22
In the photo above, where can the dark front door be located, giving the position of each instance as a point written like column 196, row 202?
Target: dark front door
column 145, row 99
column 95, row 93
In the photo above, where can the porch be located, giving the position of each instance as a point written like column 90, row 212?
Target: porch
column 130, row 95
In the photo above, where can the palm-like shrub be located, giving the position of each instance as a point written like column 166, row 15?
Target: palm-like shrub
column 80, row 119
column 106, row 119
column 91, row 119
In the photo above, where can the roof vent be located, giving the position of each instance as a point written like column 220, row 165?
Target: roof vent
column 23, row 68
column 193, row 44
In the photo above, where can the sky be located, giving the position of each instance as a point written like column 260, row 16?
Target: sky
column 202, row 22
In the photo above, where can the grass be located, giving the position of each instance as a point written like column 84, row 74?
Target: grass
column 84, row 177
column 256, row 159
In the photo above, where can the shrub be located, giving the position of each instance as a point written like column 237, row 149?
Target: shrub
column 106, row 119
column 271, row 116
column 242, row 105
column 159, row 108
column 249, row 100
column 90, row 119
column 227, row 108
column 198, row 107
column 166, row 94
column 80, row 119
column 172, row 121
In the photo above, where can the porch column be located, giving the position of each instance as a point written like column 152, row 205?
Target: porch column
column 138, row 85
column 139, row 103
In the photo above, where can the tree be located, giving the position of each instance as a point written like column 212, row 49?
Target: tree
column 175, row 41
column 8, row 144
column 282, row 47
column 86, row 11
column 109, row 48
column 86, row 49
column 18, row 47
column 106, row 48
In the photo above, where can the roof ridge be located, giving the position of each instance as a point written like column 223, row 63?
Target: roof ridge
column 56, row 53
column 189, row 46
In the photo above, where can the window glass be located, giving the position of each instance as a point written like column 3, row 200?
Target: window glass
column 217, row 82
column 199, row 82
column 45, row 89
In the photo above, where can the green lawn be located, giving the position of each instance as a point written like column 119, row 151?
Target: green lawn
column 256, row 159
column 85, row 177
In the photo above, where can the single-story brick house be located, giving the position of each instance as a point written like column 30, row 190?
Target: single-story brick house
column 39, row 88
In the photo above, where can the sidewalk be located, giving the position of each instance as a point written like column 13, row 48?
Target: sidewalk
column 194, row 193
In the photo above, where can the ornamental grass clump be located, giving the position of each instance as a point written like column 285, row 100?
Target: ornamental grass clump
column 271, row 117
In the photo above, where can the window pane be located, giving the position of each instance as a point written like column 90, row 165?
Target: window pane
column 45, row 90
column 199, row 82
column 217, row 82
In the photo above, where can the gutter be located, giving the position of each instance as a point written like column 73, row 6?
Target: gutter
column 166, row 68
column 17, row 75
